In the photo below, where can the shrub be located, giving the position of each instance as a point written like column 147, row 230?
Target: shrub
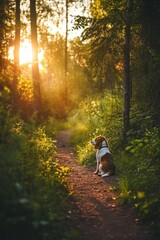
column 86, row 155
column 32, row 184
column 140, row 176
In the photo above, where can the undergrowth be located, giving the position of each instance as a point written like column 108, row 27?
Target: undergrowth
column 140, row 167
column 98, row 116
column 33, row 189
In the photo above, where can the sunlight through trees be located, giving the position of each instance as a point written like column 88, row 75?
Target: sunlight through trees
column 95, row 65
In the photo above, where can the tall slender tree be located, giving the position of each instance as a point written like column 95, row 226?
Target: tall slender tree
column 66, row 57
column 127, row 78
column 17, row 34
column 35, row 64
column 5, row 32
column 16, row 55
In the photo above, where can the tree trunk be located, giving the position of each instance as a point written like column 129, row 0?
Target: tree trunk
column 66, row 59
column 127, row 79
column 16, row 56
column 35, row 65
column 17, row 34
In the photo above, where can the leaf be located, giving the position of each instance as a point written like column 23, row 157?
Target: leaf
column 140, row 195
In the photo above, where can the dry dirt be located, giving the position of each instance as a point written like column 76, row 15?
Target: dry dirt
column 94, row 210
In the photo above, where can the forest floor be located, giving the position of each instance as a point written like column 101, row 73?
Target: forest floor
column 94, row 209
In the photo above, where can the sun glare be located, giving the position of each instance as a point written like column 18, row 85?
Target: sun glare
column 25, row 52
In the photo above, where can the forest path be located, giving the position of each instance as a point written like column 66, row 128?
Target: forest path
column 94, row 210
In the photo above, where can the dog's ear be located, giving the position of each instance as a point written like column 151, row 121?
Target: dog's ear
column 107, row 144
column 99, row 141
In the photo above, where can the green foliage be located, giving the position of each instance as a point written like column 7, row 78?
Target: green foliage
column 86, row 155
column 140, row 176
column 25, row 97
column 32, row 184
column 96, row 116
column 138, row 166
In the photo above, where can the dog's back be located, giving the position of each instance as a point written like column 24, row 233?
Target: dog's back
column 108, row 164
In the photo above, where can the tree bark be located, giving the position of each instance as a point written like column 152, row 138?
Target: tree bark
column 127, row 78
column 66, row 59
column 35, row 64
column 17, row 34
column 16, row 56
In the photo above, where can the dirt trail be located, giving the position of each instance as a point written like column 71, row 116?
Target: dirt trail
column 94, row 210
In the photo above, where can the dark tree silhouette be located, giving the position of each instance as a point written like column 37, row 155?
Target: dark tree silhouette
column 35, row 65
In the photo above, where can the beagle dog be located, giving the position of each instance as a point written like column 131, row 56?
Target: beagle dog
column 105, row 164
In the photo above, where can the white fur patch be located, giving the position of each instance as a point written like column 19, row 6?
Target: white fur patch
column 93, row 142
column 101, row 152
column 105, row 175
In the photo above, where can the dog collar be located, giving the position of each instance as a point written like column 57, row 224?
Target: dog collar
column 103, row 147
